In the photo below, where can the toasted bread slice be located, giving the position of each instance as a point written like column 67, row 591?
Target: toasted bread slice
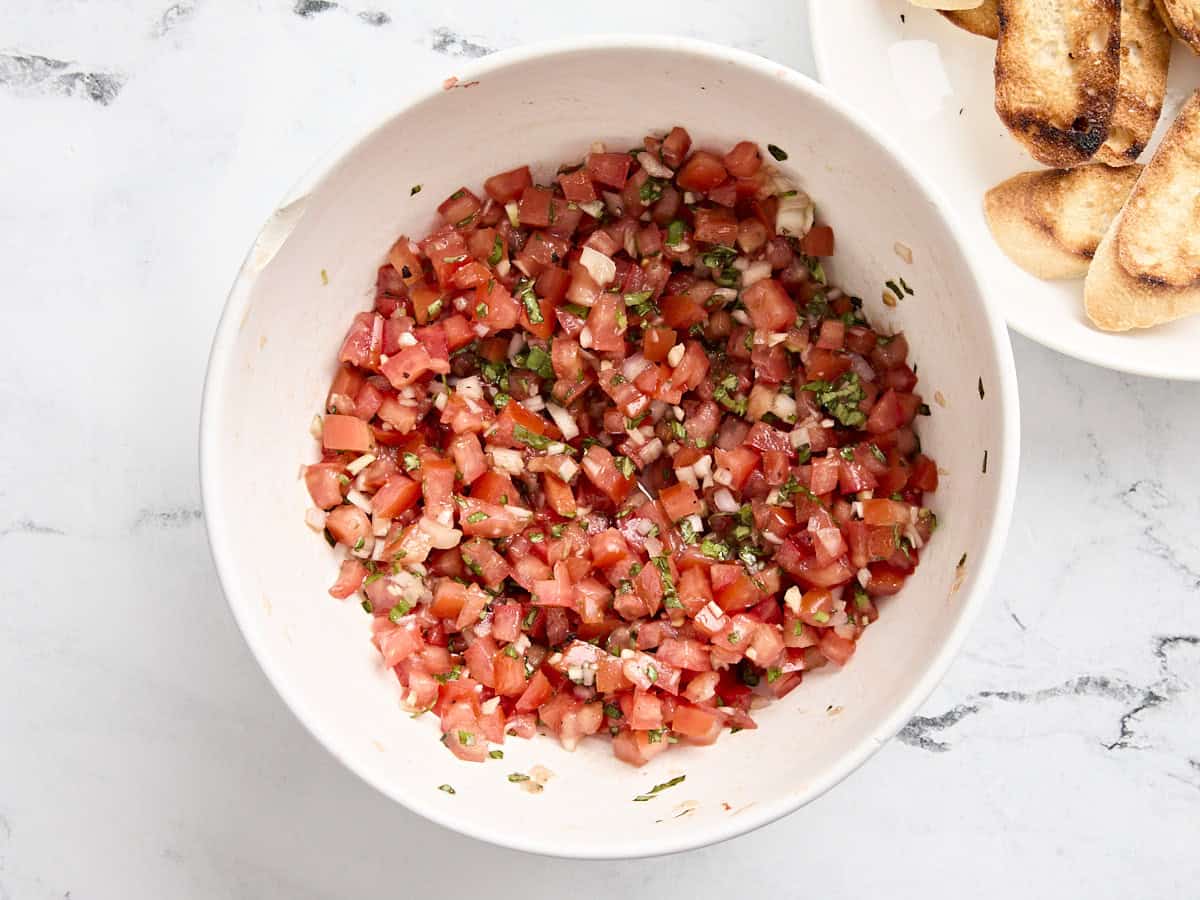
column 1147, row 268
column 1145, row 56
column 983, row 20
column 1050, row 222
column 1182, row 17
column 1057, row 73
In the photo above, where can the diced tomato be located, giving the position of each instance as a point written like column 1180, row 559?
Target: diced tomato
column 504, row 187
column 555, row 592
column 679, row 501
column 346, row 433
column 398, row 494
column 607, row 322
column 601, row 469
column 716, row 226
column 460, row 208
column 609, row 168
column 702, row 172
column 818, row 241
column 769, row 306
column 324, row 483
column 743, row 160
column 350, row 578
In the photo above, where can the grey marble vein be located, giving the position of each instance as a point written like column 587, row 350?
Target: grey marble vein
column 920, row 732
column 174, row 15
column 307, row 8
column 29, row 526
column 1146, row 498
column 175, row 517
column 31, row 74
column 449, row 42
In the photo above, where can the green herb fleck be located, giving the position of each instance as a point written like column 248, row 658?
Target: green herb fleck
column 776, row 152
column 441, row 787
column 674, row 233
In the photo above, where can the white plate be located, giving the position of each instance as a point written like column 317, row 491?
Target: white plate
column 949, row 128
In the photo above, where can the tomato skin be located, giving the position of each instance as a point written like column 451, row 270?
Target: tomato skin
column 702, row 172
column 716, row 226
column 611, row 169
column 349, row 579
column 818, row 241
column 504, row 187
column 346, row 433
column 606, row 324
column 323, row 481
column 679, row 501
column 601, row 469
column 460, row 208
column 743, row 159
column 682, row 312
column 398, row 494
column 577, row 186
column 769, row 306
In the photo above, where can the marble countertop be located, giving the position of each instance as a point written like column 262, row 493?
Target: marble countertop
column 143, row 754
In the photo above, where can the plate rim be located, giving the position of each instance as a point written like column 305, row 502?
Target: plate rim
column 817, row 25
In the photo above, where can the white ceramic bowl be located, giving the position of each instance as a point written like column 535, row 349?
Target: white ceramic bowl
column 275, row 351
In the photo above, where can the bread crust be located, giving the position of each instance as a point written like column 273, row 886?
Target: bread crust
column 983, row 20
column 1145, row 59
column 1182, row 18
column 1147, row 269
column 1051, row 221
column 1057, row 75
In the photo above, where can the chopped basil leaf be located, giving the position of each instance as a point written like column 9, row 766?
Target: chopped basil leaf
column 496, row 754
column 715, row 549
column 517, row 777
column 413, row 191
column 776, row 152
column 538, row 359
column 651, row 191
column 719, row 257
column 530, row 439
column 658, row 788
column 841, row 399
column 497, row 253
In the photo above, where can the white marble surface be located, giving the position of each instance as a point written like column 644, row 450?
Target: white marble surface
column 142, row 753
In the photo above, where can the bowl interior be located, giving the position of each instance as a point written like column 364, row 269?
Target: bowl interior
column 275, row 354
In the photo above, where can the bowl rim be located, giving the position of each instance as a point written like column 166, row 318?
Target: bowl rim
column 763, row 813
